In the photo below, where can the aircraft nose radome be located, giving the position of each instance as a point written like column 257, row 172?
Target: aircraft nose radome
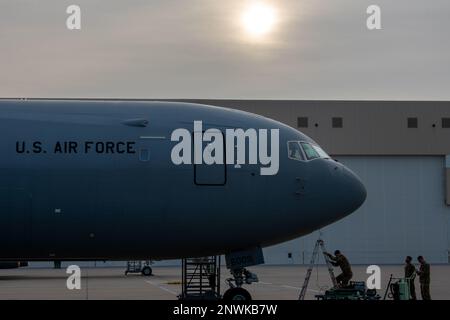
column 355, row 191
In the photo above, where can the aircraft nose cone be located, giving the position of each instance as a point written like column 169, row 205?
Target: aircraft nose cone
column 353, row 191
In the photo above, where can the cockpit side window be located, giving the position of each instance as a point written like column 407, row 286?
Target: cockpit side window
column 320, row 151
column 295, row 151
column 310, row 152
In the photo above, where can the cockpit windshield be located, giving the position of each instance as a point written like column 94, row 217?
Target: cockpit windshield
column 298, row 150
column 310, row 152
column 295, row 151
column 321, row 152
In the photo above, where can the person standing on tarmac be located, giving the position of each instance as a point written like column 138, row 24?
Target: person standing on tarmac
column 410, row 275
column 424, row 278
column 339, row 260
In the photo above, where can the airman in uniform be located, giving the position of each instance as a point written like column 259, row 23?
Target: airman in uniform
column 410, row 275
column 424, row 278
column 339, row 260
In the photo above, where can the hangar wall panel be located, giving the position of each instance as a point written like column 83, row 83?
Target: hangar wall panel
column 405, row 214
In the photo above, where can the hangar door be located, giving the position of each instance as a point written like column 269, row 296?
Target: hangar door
column 15, row 222
column 211, row 174
column 404, row 214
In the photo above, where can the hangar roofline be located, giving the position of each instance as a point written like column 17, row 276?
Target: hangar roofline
column 216, row 99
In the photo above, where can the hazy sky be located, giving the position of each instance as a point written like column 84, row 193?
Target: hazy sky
column 318, row 49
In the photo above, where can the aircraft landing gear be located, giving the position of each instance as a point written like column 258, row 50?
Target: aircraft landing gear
column 201, row 276
column 236, row 292
column 237, row 263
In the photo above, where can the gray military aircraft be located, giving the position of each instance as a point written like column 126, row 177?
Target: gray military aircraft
column 123, row 180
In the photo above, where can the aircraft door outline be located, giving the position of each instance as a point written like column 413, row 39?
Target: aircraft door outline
column 211, row 175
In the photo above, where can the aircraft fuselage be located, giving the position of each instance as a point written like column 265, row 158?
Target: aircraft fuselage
column 97, row 181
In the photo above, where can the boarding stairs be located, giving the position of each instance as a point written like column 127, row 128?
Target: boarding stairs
column 201, row 278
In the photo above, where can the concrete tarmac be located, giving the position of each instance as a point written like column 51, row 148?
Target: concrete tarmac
column 276, row 282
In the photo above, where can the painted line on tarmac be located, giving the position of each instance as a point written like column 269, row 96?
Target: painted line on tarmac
column 262, row 282
column 161, row 287
column 285, row 286
column 297, row 288
column 290, row 287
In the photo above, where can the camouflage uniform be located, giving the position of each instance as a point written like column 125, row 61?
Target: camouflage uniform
column 342, row 262
column 410, row 274
column 424, row 278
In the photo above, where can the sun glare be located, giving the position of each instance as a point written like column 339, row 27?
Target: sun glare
column 258, row 19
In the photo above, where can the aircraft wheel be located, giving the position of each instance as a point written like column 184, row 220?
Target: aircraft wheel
column 237, row 294
column 147, row 271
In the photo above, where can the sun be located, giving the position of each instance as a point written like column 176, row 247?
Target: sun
column 259, row 19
